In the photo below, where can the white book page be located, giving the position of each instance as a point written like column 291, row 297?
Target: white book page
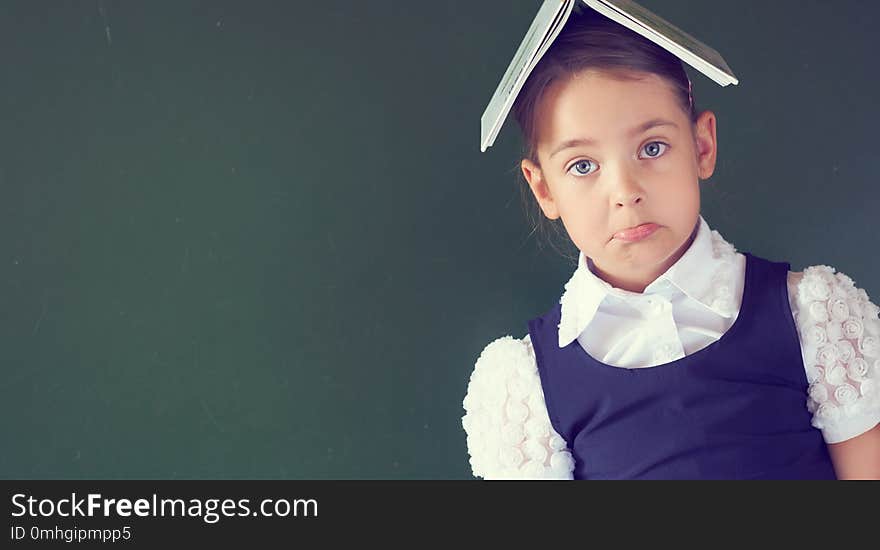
column 544, row 29
column 668, row 36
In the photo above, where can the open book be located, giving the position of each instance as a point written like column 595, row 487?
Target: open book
column 549, row 22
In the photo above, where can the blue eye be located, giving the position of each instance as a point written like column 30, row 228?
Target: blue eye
column 582, row 167
column 655, row 146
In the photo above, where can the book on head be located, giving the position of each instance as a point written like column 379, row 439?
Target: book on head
column 548, row 23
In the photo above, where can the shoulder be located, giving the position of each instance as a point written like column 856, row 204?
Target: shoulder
column 509, row 435
column 822, row 295
column 839, row 331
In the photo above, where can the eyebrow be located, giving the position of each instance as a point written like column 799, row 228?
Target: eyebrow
column 641, row 128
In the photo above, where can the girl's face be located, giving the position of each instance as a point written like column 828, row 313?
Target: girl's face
column 616, row 154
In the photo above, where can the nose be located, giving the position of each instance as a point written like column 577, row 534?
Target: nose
column 627, row 192
column 630, row 199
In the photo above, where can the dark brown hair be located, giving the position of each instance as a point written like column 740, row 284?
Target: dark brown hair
column 589, row 40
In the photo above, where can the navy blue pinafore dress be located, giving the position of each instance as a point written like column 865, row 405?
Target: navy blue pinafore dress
column 735, row 409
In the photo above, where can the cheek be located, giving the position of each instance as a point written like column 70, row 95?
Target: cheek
column 584, row 218
column 575, row 209
column 578, row 205
column 682, row 198
column 681, row 183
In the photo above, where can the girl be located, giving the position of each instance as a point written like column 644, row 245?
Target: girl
column 670, row 354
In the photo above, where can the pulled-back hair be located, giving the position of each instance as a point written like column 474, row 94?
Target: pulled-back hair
column 590, row 40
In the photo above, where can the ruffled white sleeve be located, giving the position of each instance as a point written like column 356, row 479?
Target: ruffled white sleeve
column 840, row 343
column 509, row 435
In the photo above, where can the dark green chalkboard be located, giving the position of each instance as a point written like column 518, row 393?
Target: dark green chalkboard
column 258, row 239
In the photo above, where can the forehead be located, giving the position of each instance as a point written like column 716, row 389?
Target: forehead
column 602, row 106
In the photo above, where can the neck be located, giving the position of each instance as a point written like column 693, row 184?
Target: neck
column 634, row 281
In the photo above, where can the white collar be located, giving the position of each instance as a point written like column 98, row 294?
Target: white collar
column 702, row 273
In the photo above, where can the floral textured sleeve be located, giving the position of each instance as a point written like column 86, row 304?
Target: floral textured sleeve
column 840, row 342
column 509, row 435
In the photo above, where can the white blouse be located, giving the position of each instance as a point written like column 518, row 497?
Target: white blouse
column 691, row 305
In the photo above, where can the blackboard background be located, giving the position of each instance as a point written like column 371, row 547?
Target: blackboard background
column 258, row 239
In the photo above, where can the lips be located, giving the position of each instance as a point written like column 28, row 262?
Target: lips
column 636, row 233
